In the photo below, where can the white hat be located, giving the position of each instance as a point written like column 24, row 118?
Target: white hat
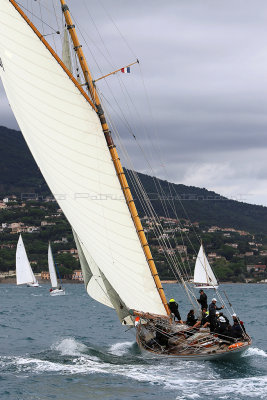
column 214, row 299
column 222, row 319
column 234, row 315
column 217, row 313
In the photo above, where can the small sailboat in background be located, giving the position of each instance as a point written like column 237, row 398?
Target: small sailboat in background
column 204, row 277
column 55, row 290
column 24, row 272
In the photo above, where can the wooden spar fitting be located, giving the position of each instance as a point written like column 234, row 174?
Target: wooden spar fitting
column 114, row 154
column 54, row 54
column 114, row 72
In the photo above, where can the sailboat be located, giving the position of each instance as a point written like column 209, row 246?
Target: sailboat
column 56, row 290
column 65, row 127
column 24, row 272
column 204, row 277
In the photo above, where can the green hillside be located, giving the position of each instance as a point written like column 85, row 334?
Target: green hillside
column 20, row 174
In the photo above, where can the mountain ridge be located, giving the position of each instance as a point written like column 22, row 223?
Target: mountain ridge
column 20, row 174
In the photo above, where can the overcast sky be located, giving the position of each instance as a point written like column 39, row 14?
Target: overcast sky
column 198, row 102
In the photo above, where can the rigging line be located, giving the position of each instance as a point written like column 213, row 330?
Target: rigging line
column 56, row 17
column 143, row 196
column 123, row 150
column 123, row 38
column 136, row 139
column 85, row 41
column 108, row 60
column 147, row 160
column 41, row 15
column 101, row 39
column 164, row 168
column 163, row 243
column 35, row 16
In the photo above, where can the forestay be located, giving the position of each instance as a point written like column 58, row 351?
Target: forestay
column 24, row 272
column 51, row 267
column 65, row 137
column 203, row 274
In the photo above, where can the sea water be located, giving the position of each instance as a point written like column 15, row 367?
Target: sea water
column 73, row 348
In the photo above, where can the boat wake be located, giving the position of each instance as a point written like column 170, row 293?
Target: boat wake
column 192, row 380
column 254, row 351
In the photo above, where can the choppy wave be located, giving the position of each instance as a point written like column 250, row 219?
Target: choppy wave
column 69, row 347
column 119, row 349
column 192, row 380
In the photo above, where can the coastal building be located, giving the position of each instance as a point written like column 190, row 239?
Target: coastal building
column 77, row 275
column 257, row 269
column 45, row 275
column 233, row 245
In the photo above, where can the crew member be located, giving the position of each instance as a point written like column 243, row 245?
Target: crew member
column 203, row 299
column 191, row 319
column 205, row 321
column 174, row 309
column 240, row 322
column 212, row 313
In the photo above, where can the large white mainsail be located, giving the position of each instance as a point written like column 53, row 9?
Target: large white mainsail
column 51, row 267
column 203, row 274
column 24, row 272
column 65, row 137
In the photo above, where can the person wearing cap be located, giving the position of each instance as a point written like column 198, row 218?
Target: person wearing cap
column 221, row 325
column 235, row 318
column 173, row 306
column 212, row 313
column 221, row 314
column 203, row 299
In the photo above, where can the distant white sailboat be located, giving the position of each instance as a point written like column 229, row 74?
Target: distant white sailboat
column 24, row 272
column 203, row 274
column 55, row 290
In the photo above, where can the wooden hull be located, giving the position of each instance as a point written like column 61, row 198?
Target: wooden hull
column 223, row 355
column 202, row 346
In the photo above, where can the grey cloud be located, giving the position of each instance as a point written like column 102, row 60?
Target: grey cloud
column 204, row 65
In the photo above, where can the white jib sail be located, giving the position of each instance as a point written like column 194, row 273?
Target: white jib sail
column 92, row 276
column 24, row 272
column 66, row 56
column 65, row 137
column 203, row 274
column 51, row 267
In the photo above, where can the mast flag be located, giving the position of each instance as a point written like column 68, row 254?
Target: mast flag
column 126, row 70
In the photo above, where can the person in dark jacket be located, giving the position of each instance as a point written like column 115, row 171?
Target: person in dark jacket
column 174, row 309
column 221, row 314
column 191, row 319
column 212, row 313
column 236, row 331
column 203, row 299
column 221, row 325
column 240, row 322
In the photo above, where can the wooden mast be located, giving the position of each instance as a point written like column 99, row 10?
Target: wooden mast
column 114, row 154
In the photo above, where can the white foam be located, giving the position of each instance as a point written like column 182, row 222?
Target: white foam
column 119, row 349
column 69, row 347
column 254, row 351
column 230, row 389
